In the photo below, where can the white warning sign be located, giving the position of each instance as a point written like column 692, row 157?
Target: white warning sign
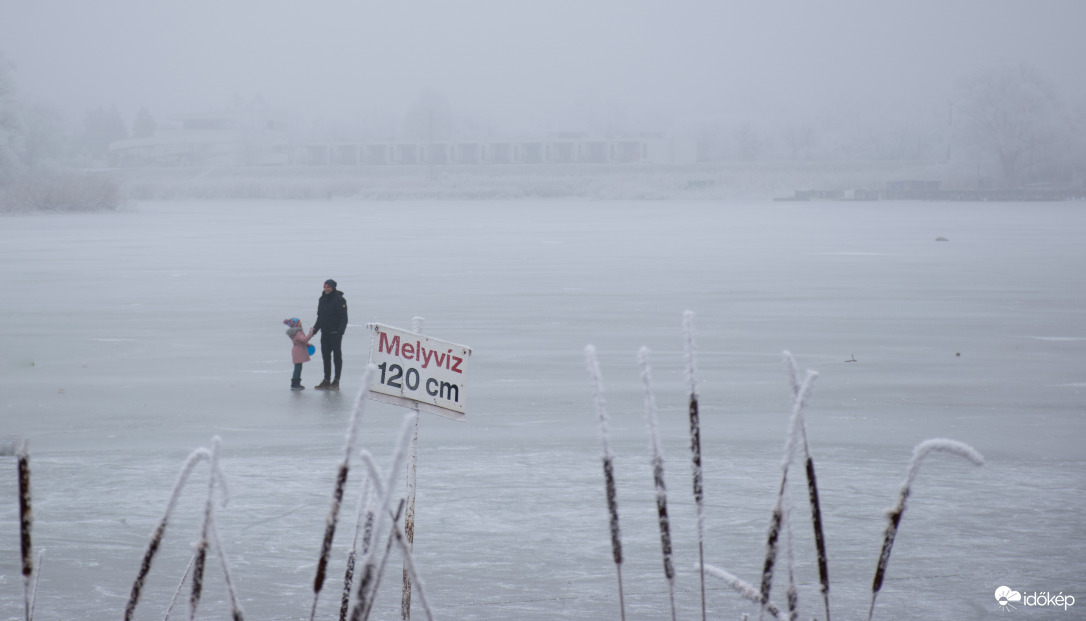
column 418, row 372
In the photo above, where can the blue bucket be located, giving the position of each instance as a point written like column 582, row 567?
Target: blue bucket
column 311, row 349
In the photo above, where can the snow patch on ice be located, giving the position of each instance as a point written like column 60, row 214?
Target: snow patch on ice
column 104, row 591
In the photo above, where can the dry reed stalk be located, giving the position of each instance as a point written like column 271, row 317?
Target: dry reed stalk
column 236, row 612
column 608, row 471
column 367, row 531
column 348, row 579
column 37, row 580
column 26, row 520
column 364, row 584
column 203, row 544
column 384, row 500
column 792, row 594
column 329, row 534
column 197, row 578
column 770, row 557
column 658, row 475
column 746, row 590
column 401, row 542
column 160, row 530
column 180, row 586
column 820, row 539
column 695, row 445
column 921, row 451
column 812, row 492
column 776, row 521
column 380, row 568
column 337, row 493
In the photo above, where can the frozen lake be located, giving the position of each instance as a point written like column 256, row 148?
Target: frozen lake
column 130, row 339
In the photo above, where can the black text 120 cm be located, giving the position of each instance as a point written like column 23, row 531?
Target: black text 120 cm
column 392, row 374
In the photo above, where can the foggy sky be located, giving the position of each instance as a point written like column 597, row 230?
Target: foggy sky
column 552, row 64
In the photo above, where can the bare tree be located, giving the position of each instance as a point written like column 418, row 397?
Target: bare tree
column 430, row 118
column 748, row 143
column 144, row 126
column 101, row 126
column 11, row 126
column 1011, row 114
column 800, row 139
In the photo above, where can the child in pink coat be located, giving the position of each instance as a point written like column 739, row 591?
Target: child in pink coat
column 299, row 353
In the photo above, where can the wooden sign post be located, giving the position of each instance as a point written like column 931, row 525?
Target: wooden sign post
column 426, row 375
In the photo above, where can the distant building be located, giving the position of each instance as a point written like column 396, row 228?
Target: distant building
column 257, row 136
column 253, row 136
column 554, row 149
column 917, row 189
column 913, row 185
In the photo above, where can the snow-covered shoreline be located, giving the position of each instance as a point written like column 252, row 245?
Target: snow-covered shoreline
column 735, row 180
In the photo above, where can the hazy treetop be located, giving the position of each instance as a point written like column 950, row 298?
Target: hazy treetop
column 524, row 63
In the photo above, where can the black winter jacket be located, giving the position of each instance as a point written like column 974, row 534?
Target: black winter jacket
column 331, row 313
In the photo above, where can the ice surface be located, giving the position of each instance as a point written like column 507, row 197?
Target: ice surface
column 130, row 339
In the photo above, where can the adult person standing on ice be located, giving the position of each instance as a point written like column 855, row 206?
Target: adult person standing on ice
column 331, row 323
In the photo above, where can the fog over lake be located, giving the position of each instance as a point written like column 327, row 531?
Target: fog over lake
column 529, row 67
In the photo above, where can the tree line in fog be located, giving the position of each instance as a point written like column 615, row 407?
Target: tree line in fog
column 1006, row 120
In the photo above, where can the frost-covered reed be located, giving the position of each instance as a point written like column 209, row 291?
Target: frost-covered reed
column 608, row 469
column 658, row 475
column 160, row 530
column 205, row 536
column 37, row 579
column 363, row 527
column 26, row 521
column 379, row 572
column 779, row 516
column 369, row 564
column 208, row 536
column 337, row 493
column 780, row 531
column 812, row 489
column 180, row 587
column 792, row 594
column 921, row 451
column 695, row 444
column 397, row 536
column 235, row 605
column 746, row 590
